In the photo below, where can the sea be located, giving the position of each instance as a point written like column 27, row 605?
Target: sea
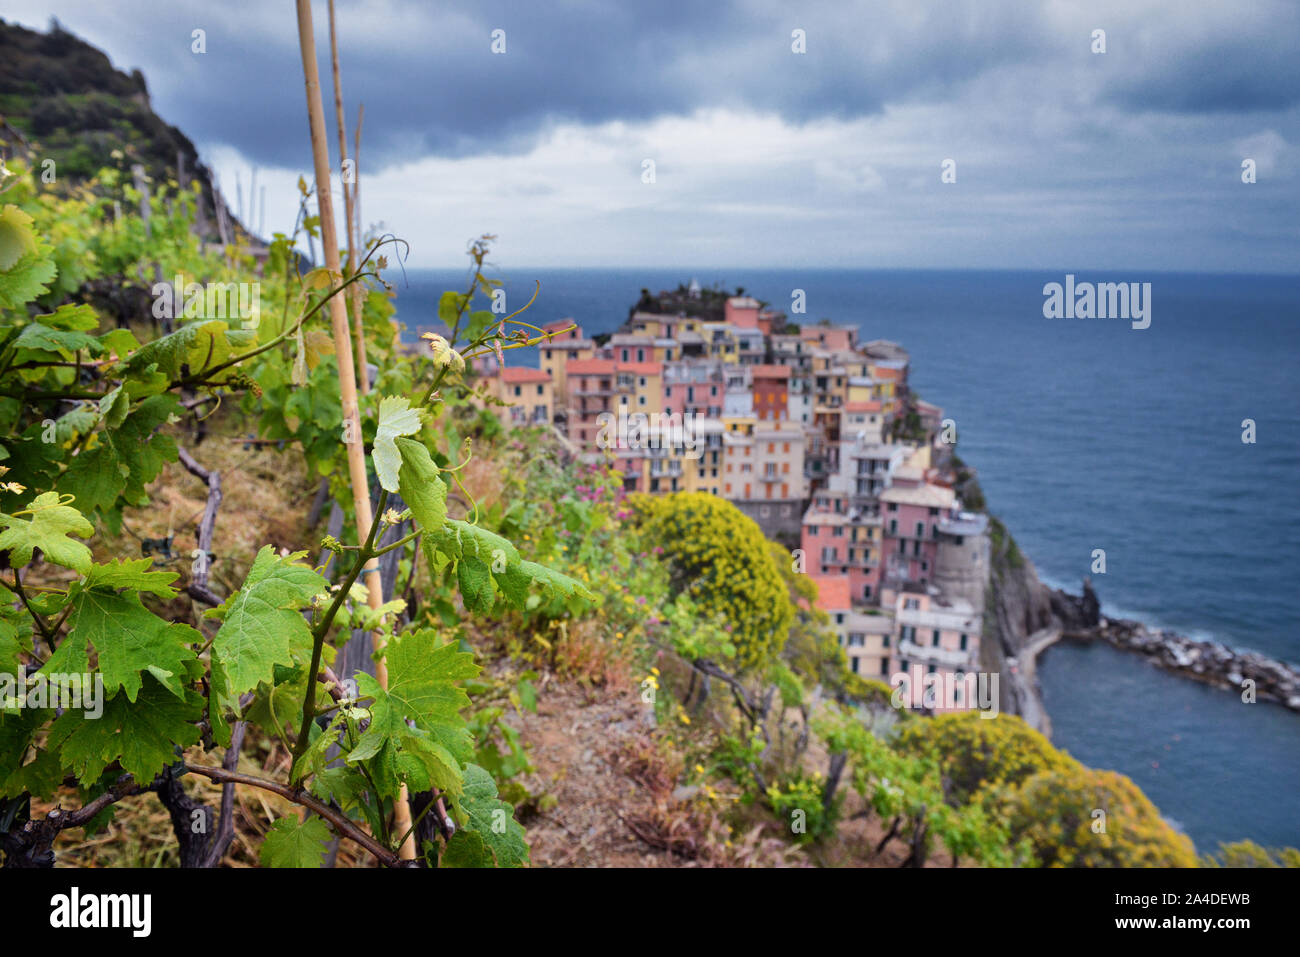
column 1088, row 434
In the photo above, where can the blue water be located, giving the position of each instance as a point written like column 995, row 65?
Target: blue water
column 1089, row 434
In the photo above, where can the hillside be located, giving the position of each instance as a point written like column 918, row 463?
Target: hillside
column 62, row 99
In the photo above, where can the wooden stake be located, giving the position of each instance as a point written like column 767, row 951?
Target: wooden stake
column 355, row 292
column 343, row 351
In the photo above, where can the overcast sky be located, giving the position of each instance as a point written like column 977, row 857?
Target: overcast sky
column 1065, row 159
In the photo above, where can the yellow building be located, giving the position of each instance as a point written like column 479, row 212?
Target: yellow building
column 528, row 394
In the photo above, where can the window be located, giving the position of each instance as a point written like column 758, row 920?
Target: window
column 893, row 506
column 625, row 354
column 920, row 529
column 854, row 664
column 884, row 666
column 546, row 353
column 884, row 641
column 539, row 390
column 519, row 390
column 893, row 526
column 963, row 642
column 828, row 553
column 866, row 593
column 640, row 355
column 643, row 382
column 856, row 641
column 812, row 530
column 839, row 620
column 934, row 511
column 934, row 639
column 837, row 531
column 912, row 603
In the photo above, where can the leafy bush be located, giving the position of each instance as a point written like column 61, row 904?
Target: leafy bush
column 720, row 557
column 980, row 758
column 1079, row 817
column 798, row 804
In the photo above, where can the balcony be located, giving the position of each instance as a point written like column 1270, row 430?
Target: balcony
column 928, row 654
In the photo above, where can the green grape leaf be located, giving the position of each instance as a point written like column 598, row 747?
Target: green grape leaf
column 80, row 317
column 26, row 266
column 475, row 582
column 448, row 306
column 556, row 583
column 130, row 639
column 294, row 843
column 141, row 448
column 61, row 342
column 457, row 539
column 421, row 688
column 261, row 623
column 143, row 736
column 492, row 819
column 465, row 849
column 17, row 238
column 420, row 486
column 191, row 349
column 114, row 407
column 48, row 529
column 13, row 644
column 396, row 417
column 18, row 732
column 317, row 754
column 514, row 582
column 125, row 573
column 95, row 478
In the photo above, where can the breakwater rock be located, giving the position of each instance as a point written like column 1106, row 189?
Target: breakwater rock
column 1208, row 661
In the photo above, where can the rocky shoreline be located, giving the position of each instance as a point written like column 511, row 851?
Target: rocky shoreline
column 1206, row 661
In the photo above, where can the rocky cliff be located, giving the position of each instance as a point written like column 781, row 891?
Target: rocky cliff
column 62, row 99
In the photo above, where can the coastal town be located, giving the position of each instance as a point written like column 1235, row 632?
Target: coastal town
column 813, row 434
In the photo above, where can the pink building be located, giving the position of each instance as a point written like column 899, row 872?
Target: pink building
column 936, row 646
column 742, row 311
column 840, row 539
column 699, row 388
column 910, row 515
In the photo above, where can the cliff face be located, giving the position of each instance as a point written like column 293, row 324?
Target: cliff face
column 1016, row 607
column 1021, row 605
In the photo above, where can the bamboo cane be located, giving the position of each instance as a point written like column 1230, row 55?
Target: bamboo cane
column 343, row 351
column 354, row 294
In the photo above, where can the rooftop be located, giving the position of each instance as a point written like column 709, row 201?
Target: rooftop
column 514, row 375
column 932, row 496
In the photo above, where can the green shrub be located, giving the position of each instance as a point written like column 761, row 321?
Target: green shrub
column 1085, row 818
column 720, row 557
